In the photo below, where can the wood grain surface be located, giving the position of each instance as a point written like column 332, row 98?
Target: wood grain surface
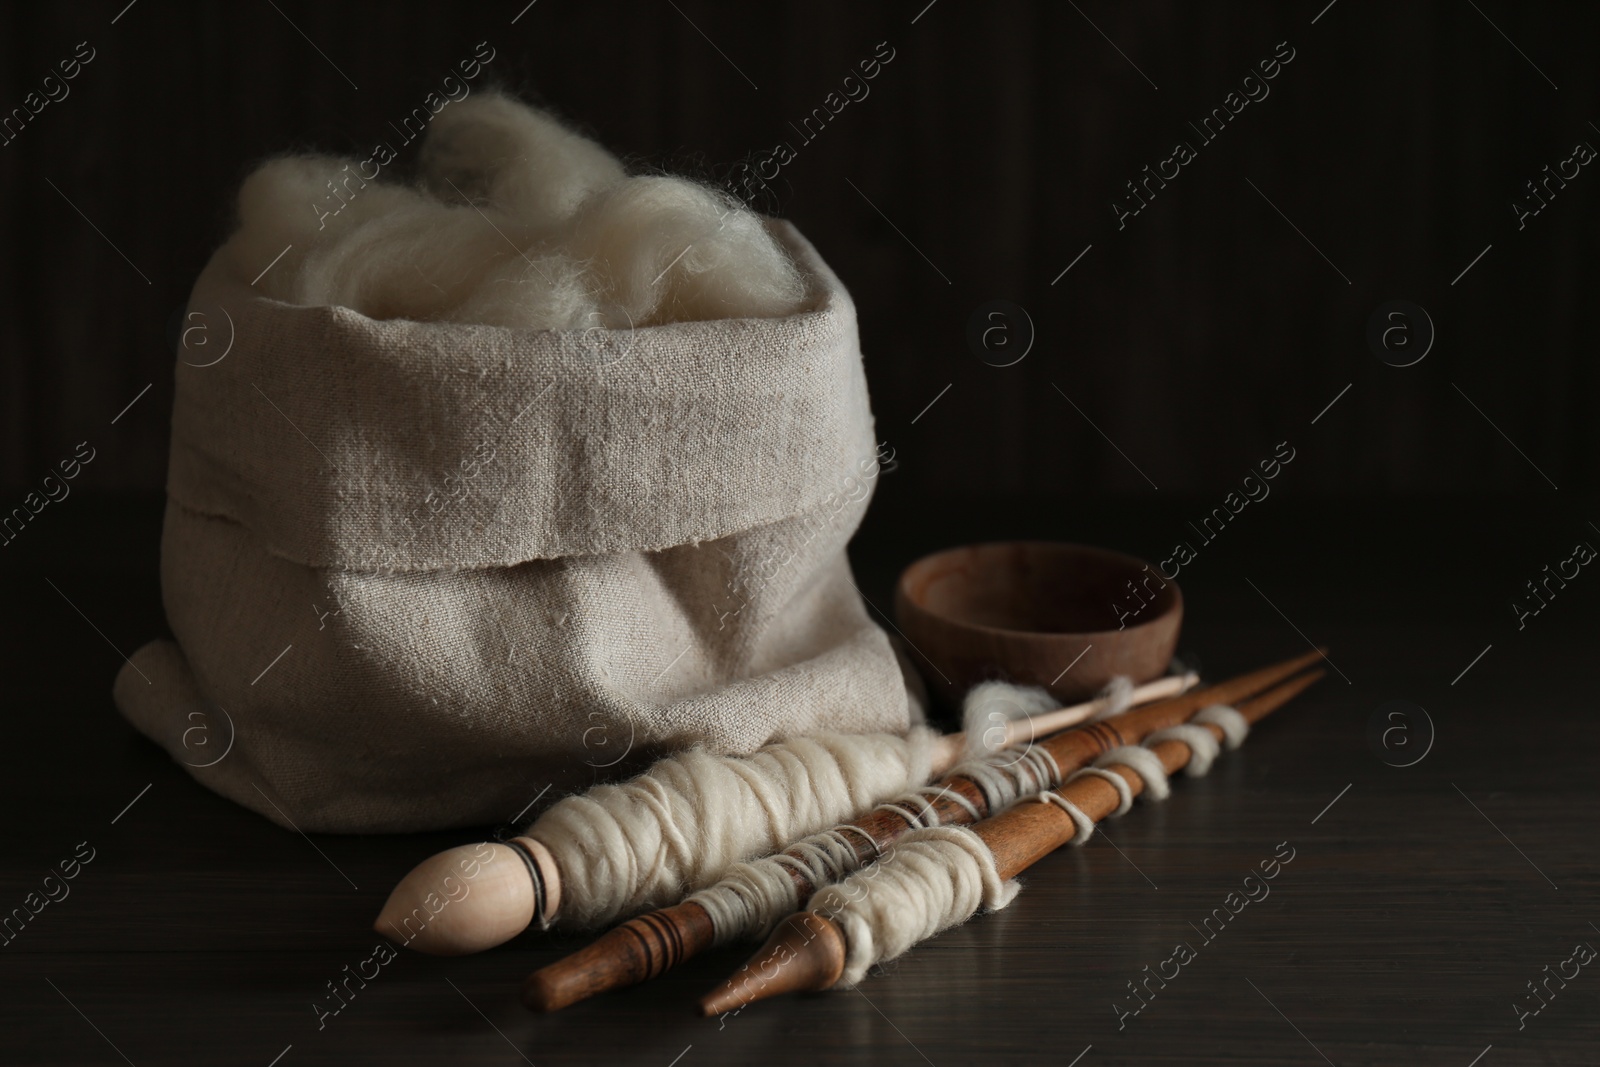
column 1418, row 904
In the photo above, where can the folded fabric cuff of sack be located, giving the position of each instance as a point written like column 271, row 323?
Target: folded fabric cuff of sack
column 339, row 439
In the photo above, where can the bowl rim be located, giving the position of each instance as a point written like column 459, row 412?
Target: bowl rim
column 903, row 596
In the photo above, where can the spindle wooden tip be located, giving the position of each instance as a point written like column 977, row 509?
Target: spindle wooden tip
column 805, row 953
column 636, row 951
column 547, row 990
column 462, row 900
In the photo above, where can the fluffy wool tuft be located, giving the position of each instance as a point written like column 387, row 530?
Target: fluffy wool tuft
column 518, row 222
column 524, row 162
column 989, row 706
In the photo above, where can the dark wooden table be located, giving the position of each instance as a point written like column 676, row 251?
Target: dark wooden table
column 1420, row 902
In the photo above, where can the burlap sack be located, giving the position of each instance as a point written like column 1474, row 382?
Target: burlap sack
column 420, row 572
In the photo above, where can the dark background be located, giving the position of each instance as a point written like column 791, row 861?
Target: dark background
column 1196, row 340
column 996, row 140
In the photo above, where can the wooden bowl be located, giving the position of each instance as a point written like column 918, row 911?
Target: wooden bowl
column 1024, row 611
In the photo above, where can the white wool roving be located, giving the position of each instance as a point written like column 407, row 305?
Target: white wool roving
column 988, row 706
column 668, row 250
column 279, row 216
column 643, row 843
column 521, row 160
column 392, row 251
column 517, row 222
column 1118, row 695
column 939, row 877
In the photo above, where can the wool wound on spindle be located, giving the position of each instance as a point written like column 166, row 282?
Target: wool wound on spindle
column 643, row 843
column 940, row 877
column 936, row 878
column 752, row 896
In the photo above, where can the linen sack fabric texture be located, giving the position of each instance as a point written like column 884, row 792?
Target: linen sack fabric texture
column 418, row 572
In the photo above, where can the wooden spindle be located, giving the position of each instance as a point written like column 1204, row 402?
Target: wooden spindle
column 807, row 951
column 502, row 903
column 642, row 948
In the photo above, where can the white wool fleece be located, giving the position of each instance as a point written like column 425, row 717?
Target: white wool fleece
column 516, row 221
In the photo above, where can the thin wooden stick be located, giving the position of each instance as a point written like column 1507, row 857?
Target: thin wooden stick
column 807, row 951
column 642, row 948
column 953, row 747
